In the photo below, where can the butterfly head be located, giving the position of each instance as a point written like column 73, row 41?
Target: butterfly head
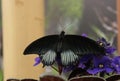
column 62, row 34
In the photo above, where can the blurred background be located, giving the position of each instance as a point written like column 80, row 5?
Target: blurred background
column 1, row 54
column 96, row 18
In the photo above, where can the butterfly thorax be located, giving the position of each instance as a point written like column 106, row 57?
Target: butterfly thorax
column 59, row 44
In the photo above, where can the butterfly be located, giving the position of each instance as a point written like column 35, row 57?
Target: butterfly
column 64, row 49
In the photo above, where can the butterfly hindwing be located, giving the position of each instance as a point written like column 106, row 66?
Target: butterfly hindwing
column 48, row 58
column 68, row 57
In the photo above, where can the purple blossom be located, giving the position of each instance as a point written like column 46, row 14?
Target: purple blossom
column 109, row 49
column 84, row 35
column 103, row 42
column 68, row 68
column 116, row 64
column 37, row 61
column 81, row 65
column 101, row 65
column 84, row 60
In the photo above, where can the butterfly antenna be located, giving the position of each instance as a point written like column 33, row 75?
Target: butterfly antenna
column 64, row 26
column 67, row 27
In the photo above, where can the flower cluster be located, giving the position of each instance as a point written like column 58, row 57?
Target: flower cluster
column 105, row 64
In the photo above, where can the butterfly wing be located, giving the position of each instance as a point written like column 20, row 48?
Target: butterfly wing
column 74, row 46
column 45, row 47
column 82, row 45
column 42, row 45
column 78, row 44
column 71, row 47
column 68, row 57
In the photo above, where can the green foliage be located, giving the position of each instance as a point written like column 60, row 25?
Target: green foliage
column 60, row 13
column 68, row 8
column 1, row 76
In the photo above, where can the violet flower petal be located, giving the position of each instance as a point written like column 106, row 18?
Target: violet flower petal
column 81, row 65
column 110, row 50
column 37, row 61
column 84, row 35
column 109, row 70
column 94, row 71
column 116, row 63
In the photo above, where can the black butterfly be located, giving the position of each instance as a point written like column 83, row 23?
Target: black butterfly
column 65, row 49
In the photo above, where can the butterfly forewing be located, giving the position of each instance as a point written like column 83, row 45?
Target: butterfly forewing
column 42, row 45
column 82, row 45
column 79, row 44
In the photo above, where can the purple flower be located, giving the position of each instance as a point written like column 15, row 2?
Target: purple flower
column 84, row 35
column 103, row 42
column 101, row 64
column 109, row 49
column 37, row 61
column 68, row 68
column 116, row 63
column 84, row 60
